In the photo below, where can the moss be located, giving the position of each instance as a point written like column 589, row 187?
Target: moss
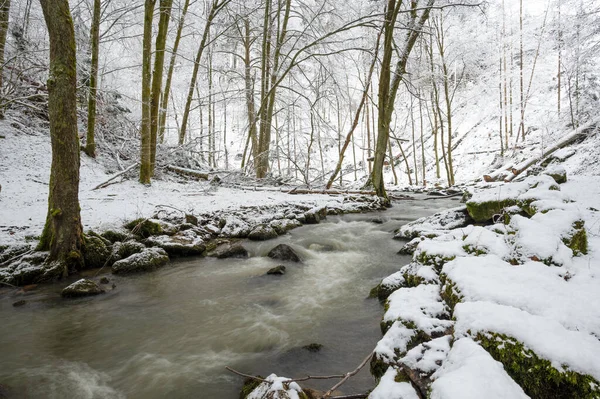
column 144, row 227
column 412, row 280
column 378, row 367
column 450, row 293
column 382, row 292
column 474, row 250
column 578, row 242
column 401, row 376
column 538, row 377
column 95, row 251
column 250, row 384
column 482, row 212
column 56, row 212
column 435, row 260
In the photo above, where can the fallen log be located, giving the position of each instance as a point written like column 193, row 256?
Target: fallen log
column 498, row 174
column 106, row 183
column 329, row 192
column 188, row 172
column 577, row 134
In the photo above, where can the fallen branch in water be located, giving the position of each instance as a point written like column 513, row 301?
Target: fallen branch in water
column 347, row 376
column 327, row 395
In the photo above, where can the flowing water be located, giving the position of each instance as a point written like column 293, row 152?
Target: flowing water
column 170, row 333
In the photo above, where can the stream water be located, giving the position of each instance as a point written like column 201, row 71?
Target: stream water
column 170, row 333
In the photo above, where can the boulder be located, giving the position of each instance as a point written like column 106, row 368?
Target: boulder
column 277, row 270
column 95, row 252
column 262, row 232
column 147, row 260
column 115, row 235
column 83, row 287
column 122, row 250
column 185, row 243
column 557, row 172
column 151, row 227
column 284, row 252
column 315, row 215
column 282, row 226
column 229, row 250
column 26, row 272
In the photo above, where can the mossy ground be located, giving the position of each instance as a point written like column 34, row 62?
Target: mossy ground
column 538, row 378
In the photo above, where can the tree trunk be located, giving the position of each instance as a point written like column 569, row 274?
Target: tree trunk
column 63, row 233
column 387, row 92
column 4, row 14
column 146, row 153
column 90, row 142
column 217, row 5
column 162, row 119
column 157, row 75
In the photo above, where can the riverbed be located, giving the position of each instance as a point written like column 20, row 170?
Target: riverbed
column 170, row 333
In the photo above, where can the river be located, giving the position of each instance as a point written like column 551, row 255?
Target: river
column 170, row 333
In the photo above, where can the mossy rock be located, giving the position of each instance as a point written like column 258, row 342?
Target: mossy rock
column 378, row 367
column 95, row 252
column 435, row 260
column 147, row 260
column 538, row 377
column 250, row 384
column 578, row 241
column 450, row 293
column 482, row 212
column 145, row 227
column 383, row 291
column 114, row 235
column 125, row 249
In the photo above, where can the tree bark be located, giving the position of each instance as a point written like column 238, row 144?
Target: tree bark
column 90, row 142
column 157, row 75
column 4, row 14
column 162, row 119
column 63, row 233
column 146, row 153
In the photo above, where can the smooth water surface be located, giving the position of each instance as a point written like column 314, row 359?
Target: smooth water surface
column 170, row 333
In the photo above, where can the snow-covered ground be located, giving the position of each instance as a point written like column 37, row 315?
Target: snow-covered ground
column 25, row 171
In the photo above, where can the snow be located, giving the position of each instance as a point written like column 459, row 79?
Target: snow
column 483, row 239
column 532, row 287
column 388, row 388
column 471, row 373
column 420, row 305
column 427, row 357
column 276, row 388
column 546, row 337
column 23, row 199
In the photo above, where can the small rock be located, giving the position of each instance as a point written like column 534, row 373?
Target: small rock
column 234, row 250
column 284, row 252
column 83, row 287
column 262, row 232
column 377, row 220
column 277, row 270
column 19, row 304
column 149, row 259
column 104, row 280
column 313, row 347
column 191, row 219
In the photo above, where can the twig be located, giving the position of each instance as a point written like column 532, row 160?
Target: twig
column 10, row 285
column 247, row 375
column 348, row 375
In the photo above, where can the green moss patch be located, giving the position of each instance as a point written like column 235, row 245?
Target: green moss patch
column 482, row 212
column 538, row 378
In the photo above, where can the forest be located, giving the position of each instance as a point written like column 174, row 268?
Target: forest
column 299, row 199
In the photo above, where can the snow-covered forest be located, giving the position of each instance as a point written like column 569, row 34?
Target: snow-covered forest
column 190, row 185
